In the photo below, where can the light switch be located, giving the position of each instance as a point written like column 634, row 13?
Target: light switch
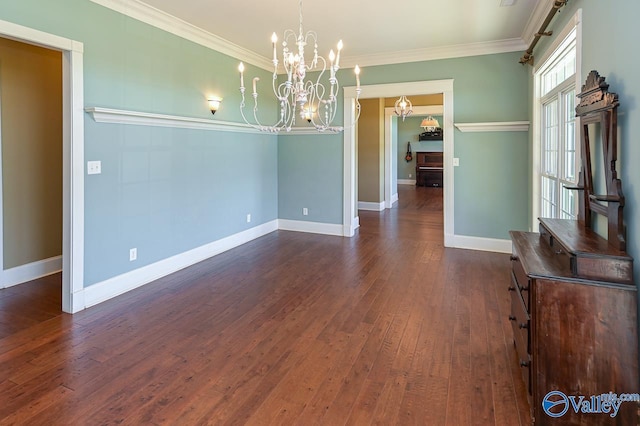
column 94, row 167
column 456, row 162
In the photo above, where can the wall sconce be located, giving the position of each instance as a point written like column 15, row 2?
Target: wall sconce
column 214, row 103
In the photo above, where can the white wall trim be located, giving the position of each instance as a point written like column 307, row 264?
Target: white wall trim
column 112, row 287
column 394, row 199
column 311, row 227
column 73, row 155
column 150, row 15
column 482, row 244
column 142, row 12
column 434, row 53
column 406, row 181
column 119, row 116
column 128, row 281
column 536, row 136
column 367, row 205
column 350, row 229
column 349, row 213
column 500, row 126
column 31, row 271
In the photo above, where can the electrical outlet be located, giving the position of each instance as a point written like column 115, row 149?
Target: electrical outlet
column 248, row 217
column 94, row 167
column 305, row 211
column 410, row 175
column 133, row 254
column 456, row 162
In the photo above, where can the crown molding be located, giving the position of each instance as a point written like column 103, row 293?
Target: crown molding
column 150, row 15
column 540, row 12
column 118, row 116
column 434, row 53
column 501, row 126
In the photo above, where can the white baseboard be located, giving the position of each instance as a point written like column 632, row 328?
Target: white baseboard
column 120, row 284
column 394, row 198
column 406, row 181
column 366, row 205
column 31, row 271
column 112, row 287
column 479, row 243
column 312, row 227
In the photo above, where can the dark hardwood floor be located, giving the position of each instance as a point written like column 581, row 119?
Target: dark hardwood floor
column 384, row 328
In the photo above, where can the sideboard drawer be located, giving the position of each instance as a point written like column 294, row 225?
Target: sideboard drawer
column 523, row 282
column 520, row 322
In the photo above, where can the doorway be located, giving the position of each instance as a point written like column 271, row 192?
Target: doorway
column 350, row 211
column 72, row 156
column 31, row 162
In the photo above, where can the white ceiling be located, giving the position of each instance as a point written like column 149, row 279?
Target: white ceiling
column 373, row 31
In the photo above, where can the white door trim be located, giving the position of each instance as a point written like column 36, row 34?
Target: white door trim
column 73, row 156
column 349, row 215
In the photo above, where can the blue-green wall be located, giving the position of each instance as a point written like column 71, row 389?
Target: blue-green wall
column 163, row 191
column 486, row 88
column 310, row 175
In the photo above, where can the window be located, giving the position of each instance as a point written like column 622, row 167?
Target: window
column 556, row 82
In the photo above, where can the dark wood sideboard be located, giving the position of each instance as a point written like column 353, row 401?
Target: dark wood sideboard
column 573, row 299
column 429, row 167
column 573, row 334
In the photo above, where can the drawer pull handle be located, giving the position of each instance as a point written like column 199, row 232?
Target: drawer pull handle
column 512, row 318
column 523, row 325
column 513, row 258
column 525, row 288
column 512, row 288
column 524, row 363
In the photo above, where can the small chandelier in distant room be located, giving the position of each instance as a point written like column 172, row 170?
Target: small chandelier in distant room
column 429, row 124
column 403, row 107
column 311, row 100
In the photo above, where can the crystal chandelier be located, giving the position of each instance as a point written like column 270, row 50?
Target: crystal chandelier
column 311, row 99
column 403, row 107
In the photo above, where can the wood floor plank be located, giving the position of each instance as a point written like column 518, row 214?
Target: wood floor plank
column 388, row 327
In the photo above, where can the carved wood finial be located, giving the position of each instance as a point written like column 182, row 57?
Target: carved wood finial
column 595, row 95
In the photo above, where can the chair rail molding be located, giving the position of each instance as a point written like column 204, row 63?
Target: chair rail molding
column 497, row 126
column 118, row 116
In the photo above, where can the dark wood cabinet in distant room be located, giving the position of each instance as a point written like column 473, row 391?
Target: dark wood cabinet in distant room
column 429, row 166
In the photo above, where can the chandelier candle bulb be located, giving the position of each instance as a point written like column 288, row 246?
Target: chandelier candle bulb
column 357, row 71
column 255, row 84
column 338, row 56
column 274, row 40
column 332, row 57
column 241, row 69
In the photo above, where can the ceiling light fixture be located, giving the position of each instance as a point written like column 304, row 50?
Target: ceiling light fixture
column 429, row 124
column 403, row 107
column 310, row 99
